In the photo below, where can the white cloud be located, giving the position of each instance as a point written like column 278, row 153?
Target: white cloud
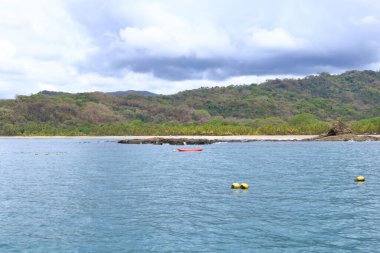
column 277, row 38
column 43, row 29
column 7, row 50
column 369, row 20
column 165, row 34
column 39, row 41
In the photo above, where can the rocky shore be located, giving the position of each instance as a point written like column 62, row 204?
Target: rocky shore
column 340, row 132
column 169, row 141
column 190, row 141
column 345, row 137
column 183, row 141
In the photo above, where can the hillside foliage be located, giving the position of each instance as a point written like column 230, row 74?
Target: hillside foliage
column 289, row 106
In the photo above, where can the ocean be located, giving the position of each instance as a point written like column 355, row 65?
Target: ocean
column 95, row 195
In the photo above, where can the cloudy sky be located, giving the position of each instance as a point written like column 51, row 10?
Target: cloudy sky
column 171, row 45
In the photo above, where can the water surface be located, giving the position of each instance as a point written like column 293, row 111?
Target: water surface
column 86, row 195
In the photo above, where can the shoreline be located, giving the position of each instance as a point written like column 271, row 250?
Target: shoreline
column 208, row 137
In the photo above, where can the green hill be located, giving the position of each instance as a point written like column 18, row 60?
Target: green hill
column 292, row 106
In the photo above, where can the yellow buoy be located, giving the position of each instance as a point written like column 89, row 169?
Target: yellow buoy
column 244, row 186
column 360, row 179
column 235, row 186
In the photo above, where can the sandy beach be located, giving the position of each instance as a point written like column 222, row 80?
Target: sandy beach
column 234, row 137
column 209, row 137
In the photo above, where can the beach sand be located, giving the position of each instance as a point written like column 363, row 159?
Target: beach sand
column 229, row 137
column 234, row 137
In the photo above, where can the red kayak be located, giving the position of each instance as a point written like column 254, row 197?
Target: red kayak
column 190, row 149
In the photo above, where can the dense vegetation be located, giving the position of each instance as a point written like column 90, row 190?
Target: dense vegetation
column 289, row 106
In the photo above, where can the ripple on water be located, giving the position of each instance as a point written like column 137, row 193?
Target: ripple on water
column 99, row 196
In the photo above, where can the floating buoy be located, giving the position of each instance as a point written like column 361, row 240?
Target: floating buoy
column 360, row 179
column 244, row 186
column 235, row 186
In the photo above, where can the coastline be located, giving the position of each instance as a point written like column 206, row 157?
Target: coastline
column 208, row 137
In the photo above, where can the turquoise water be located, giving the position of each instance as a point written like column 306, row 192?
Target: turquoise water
column 86, row 195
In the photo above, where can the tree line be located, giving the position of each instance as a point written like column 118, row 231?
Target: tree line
column 288, row 106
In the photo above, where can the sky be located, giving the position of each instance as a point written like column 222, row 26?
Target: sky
column 172, row 45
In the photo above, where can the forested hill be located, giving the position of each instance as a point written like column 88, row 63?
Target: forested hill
column 352, row 95
column 275, row 104
column 113, row 93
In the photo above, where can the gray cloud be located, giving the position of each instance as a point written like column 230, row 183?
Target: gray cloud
column 169, row 45
column 301, row 62
column 332, row 41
